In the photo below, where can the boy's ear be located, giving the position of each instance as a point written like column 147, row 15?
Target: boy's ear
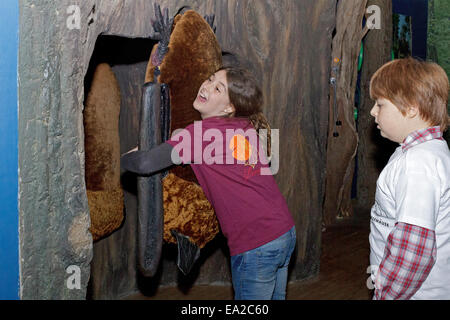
column 412, row 111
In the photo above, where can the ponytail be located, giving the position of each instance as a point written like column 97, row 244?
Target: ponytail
column 259, row 121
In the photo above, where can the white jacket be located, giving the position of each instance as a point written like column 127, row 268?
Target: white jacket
column 414, row 188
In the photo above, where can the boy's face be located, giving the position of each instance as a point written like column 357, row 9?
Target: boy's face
column 392, row 124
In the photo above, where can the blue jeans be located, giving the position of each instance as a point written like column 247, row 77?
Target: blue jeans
column 261, row 273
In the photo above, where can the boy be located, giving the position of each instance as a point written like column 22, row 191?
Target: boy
column 410, row 220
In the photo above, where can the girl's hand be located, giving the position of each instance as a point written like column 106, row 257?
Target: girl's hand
column 132, row 150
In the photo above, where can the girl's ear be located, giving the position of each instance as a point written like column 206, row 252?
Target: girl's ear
column 230, row 109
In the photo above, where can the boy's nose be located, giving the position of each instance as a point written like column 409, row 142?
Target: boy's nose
column 373, row 111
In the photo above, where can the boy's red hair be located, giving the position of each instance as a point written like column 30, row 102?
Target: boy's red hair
column 410, row 82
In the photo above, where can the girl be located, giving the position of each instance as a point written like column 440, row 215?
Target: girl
column 251, row 211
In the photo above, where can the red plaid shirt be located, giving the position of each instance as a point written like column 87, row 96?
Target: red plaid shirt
column 409, row 255
column 410, row 252
column 419, row 136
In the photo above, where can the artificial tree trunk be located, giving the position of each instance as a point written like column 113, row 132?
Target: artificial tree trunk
column 342, row 135
column 373, row 150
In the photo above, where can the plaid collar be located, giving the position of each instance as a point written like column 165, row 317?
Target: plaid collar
column 422, row 135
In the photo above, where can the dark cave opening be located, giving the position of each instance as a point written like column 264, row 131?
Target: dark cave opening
column 112, row 102
column 117, row 50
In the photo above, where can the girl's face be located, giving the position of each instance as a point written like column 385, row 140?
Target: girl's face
column 212, row 98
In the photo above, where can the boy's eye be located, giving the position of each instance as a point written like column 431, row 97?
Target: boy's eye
column 217, row 89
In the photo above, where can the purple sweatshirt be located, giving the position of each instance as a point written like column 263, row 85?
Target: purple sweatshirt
column 232, row 169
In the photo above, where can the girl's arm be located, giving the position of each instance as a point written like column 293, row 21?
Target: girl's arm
column 409, row 255
column 151, row 161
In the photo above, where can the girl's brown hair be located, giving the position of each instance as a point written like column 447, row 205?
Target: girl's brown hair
column 410, row 82
column 247, row 99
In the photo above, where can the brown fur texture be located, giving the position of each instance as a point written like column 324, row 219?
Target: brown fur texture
column 194, row 54
column 102, row 153
column 187, row 211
